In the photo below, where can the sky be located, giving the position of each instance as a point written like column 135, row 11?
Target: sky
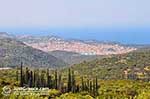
column 126, row 21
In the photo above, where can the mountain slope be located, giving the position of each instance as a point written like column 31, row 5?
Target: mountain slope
column 114, row 66
column 72, row 57
column 12, row 52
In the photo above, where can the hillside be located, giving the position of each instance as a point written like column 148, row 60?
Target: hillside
column 6, row 35
column 74, row 58
column 115, row 66
column 53, row 43
column 12, row 52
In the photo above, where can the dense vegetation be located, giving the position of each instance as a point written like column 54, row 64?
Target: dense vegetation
column 41, row 78
column 109, row 89
column 113, row 67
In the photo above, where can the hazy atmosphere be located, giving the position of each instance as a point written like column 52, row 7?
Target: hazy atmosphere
column 113, row 20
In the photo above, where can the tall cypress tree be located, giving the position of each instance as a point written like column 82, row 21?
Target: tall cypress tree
column 27, row 76
column 47, row 75
column 59, row 82
column 39, row 83
column 73, row 82
column 69, row 80
column 77, row 88
column 96, row 86
column 21, row 75
column 42, row 80
column 56, row 80
column 88, row 85
column 50, row 82
column 37, row 78
column 31, row 79
column 34, row 78
column 93, row 87
column 17, row 74
column 85, row 86
column 90, row 89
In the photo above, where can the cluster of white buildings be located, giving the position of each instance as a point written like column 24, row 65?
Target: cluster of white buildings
column 82, row 48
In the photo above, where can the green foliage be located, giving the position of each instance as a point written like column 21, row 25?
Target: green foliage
column 54, row 93
column 113, row 67
column 122, row 89
column 144, row 95
column 74, row 96
column 109, row 89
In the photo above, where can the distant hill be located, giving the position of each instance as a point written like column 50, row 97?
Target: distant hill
column 87, row 47
column 37, row 39
column 139, row 46
column 73, row 58
column 6, row 35
column 13, row 52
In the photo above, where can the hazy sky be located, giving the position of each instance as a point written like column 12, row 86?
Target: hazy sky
column 117, row 20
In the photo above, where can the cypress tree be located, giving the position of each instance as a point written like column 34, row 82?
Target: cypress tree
column 21, row 75
column 53, row 85
column 90, row 89
column 34, row 79
column 37, row 78
column 94, row 89
column 39, row 82
column 97, row 86
column 73, row 82
column 69, row 80
column 47, row 75
column 82, row 84
column 27, row 76
column 59, row 82
column 17, row 74
column 56, row 80
column 49, row 82
column 88, row 85
column 42, row 81
column 31, row 79
column 77, row 88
